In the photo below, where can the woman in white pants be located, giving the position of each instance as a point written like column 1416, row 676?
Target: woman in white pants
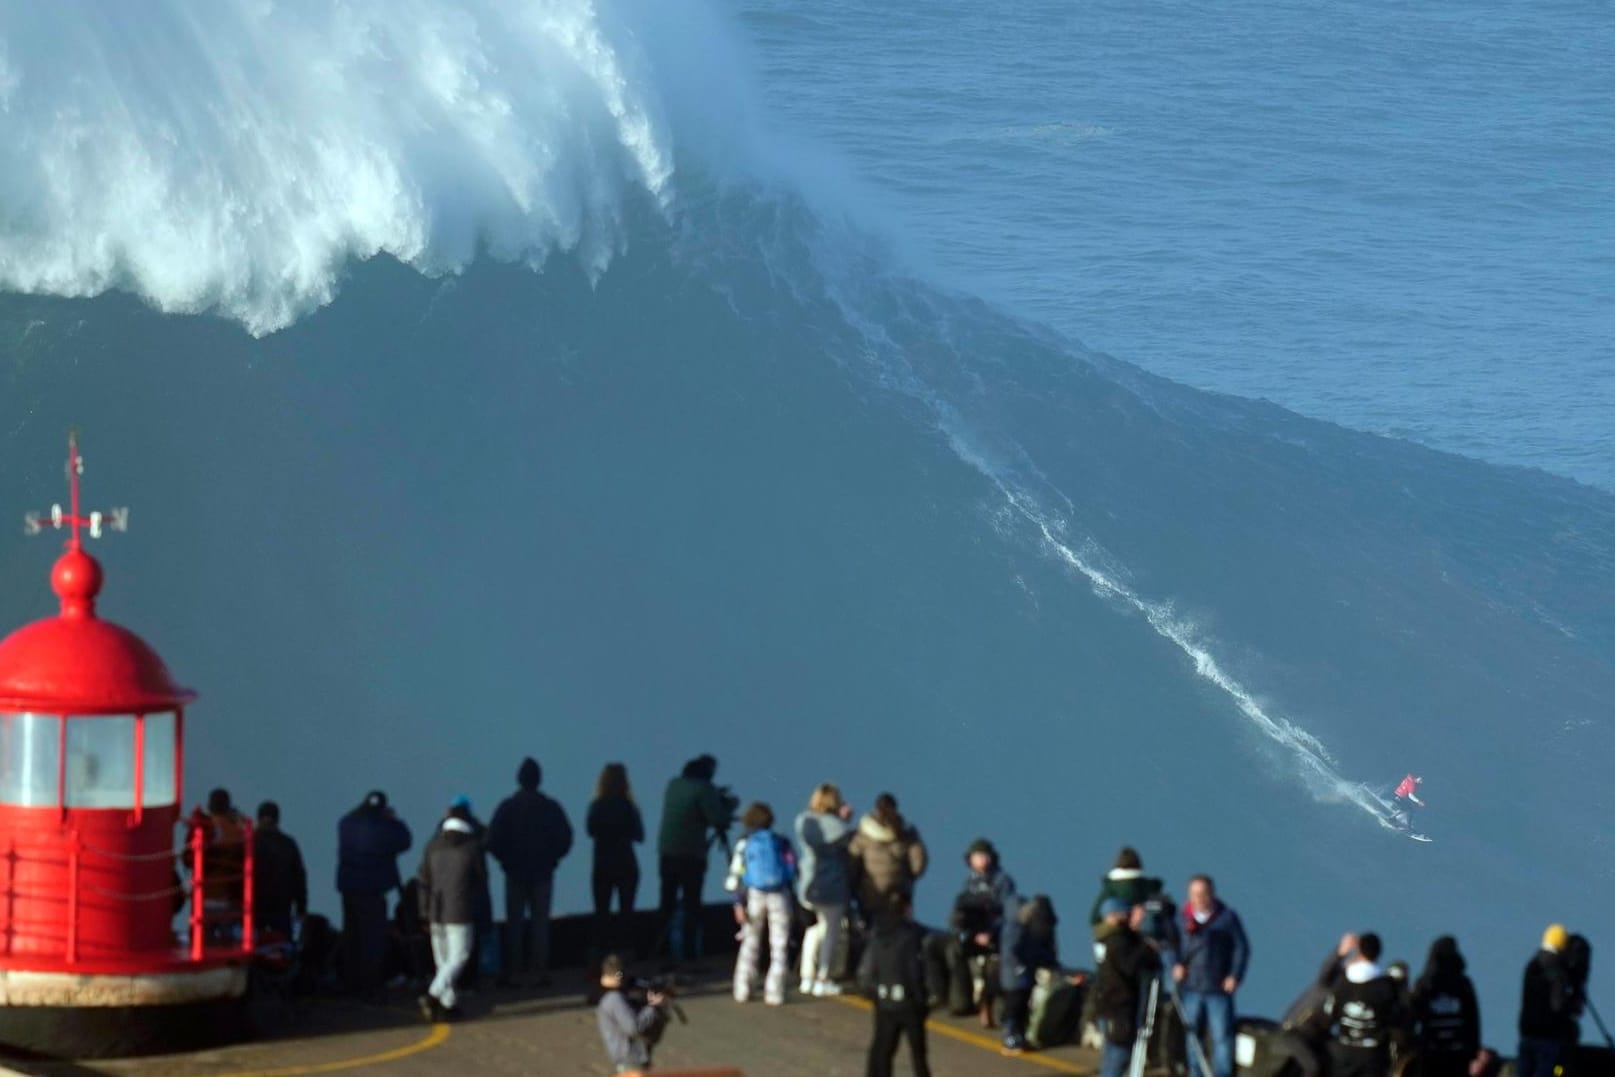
column 823, row 833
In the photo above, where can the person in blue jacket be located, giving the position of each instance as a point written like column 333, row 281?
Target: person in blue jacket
column 369, row 841
column 1208, row 966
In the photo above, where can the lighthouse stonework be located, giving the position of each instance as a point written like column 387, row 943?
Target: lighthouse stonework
column 91, row 759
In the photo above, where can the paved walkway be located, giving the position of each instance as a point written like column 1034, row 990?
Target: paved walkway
column 555, row 1034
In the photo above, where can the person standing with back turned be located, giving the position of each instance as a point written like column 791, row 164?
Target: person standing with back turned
column 529, row 835
column 1208, row 968
column 369, row 841
column 1548, row 1008
column 691, row 808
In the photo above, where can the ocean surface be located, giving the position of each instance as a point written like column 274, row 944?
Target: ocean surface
column 826, row 387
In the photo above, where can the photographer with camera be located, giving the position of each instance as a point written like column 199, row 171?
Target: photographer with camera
column 695, row 815
column 629, row 1028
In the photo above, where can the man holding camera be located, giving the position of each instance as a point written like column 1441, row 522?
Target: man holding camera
column 629, row 1031
column 692, row 807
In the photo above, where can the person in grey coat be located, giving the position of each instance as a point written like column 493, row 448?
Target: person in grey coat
column 453, row 877
column 628, row 1032
column 824, row 884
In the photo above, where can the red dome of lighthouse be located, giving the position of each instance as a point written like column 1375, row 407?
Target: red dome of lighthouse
column 77, row 663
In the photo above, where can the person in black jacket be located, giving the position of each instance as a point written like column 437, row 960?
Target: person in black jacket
column 452, row 875
column 893, row 975
column 976, row 929
column 529, row 836
column 279, row 880
column 1446, row 1015
column 1365, row 1014
column 616, row 827
column 1129, row 964
column 1549, row 1005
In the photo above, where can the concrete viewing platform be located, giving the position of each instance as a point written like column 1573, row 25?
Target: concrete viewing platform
column 553, row 1032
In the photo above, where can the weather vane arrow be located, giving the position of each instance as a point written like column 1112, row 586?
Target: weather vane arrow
column 97, row 522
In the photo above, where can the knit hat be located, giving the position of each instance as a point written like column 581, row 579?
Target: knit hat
column 1556, row 938
column 461, row 801
column 528, row 775
column 1113, row 906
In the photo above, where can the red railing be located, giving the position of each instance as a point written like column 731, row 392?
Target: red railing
column 70, row 859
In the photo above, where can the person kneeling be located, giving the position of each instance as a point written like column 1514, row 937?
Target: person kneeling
column 893, row 974
column 628, row 1030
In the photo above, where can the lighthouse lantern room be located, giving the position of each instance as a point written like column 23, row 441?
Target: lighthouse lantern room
column 91, row 761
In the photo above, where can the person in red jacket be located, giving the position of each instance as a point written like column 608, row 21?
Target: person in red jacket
column 1408, row 790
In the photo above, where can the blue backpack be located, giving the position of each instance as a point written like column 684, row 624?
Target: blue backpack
column 769, row 865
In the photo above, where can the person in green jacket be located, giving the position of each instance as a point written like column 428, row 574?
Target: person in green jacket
column 692, row 807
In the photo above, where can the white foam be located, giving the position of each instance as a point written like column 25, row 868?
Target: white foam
column 234, row 156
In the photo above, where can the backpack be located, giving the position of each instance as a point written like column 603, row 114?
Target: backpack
column 770, row 867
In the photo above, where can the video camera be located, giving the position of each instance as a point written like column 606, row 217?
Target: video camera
column 639, row 989
column 731, row 808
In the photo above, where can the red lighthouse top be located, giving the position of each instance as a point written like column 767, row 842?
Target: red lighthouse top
column 76, row 663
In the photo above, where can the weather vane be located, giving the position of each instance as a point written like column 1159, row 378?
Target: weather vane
column 111, row 520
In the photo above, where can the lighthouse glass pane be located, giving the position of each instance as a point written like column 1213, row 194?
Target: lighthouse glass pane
column 101, row 762
column 159, row 776
column 28, row 759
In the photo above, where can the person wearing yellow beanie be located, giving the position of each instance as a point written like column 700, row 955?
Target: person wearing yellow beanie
column 1549, row 1003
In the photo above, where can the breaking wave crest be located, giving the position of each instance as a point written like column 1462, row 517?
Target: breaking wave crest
column 234, row 157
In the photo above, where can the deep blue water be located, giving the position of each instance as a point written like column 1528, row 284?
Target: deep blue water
column 692, row 390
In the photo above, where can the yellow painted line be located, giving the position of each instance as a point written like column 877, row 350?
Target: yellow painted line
column 434, row 1038
column 953, row 1032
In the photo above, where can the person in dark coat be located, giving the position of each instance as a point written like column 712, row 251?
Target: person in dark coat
column 279, row 880
column 1208, row 967
column 976, row 929
column 1129, row 964
column 485, row 927
column 453, row 876
column 616, row 826
column 1446, row 1014
column 529, row 836
column 1549, row 1006
column 693, row 810
column 893, row 975
column 1126, row 882
column 369, row 841
column 1365, row 1013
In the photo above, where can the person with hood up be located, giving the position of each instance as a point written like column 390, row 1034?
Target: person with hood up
column 1365, row 1013
column 887, row 858
column 1446, row 1014
column 529, row 835
column 824, row 886
column 279, row 879
column 692, row 808
column 1030, row 947
column 977, row 929
column 1208, row 967
column 1125, row 972
column 370, row 839
column 1549, row 1006
column 453, row 875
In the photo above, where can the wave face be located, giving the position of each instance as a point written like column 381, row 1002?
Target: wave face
column 721, row 475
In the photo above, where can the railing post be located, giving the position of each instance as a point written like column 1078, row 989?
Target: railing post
column 198, row 924
column 72, row 895
column 247, row 839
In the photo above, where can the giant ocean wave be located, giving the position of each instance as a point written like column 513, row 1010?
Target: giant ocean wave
column 621, row 391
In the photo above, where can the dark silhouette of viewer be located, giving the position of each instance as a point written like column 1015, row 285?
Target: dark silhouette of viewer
column 893, row 975
column 279, row 880
column 616, row 826
column 1365, row 1013
column 692, row 809
column 529, row 835
column 452, row 877
column 1549, row 1005
column 1130, row 962
column 224, row 849
column 1446, row 1014
column 370, row 839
